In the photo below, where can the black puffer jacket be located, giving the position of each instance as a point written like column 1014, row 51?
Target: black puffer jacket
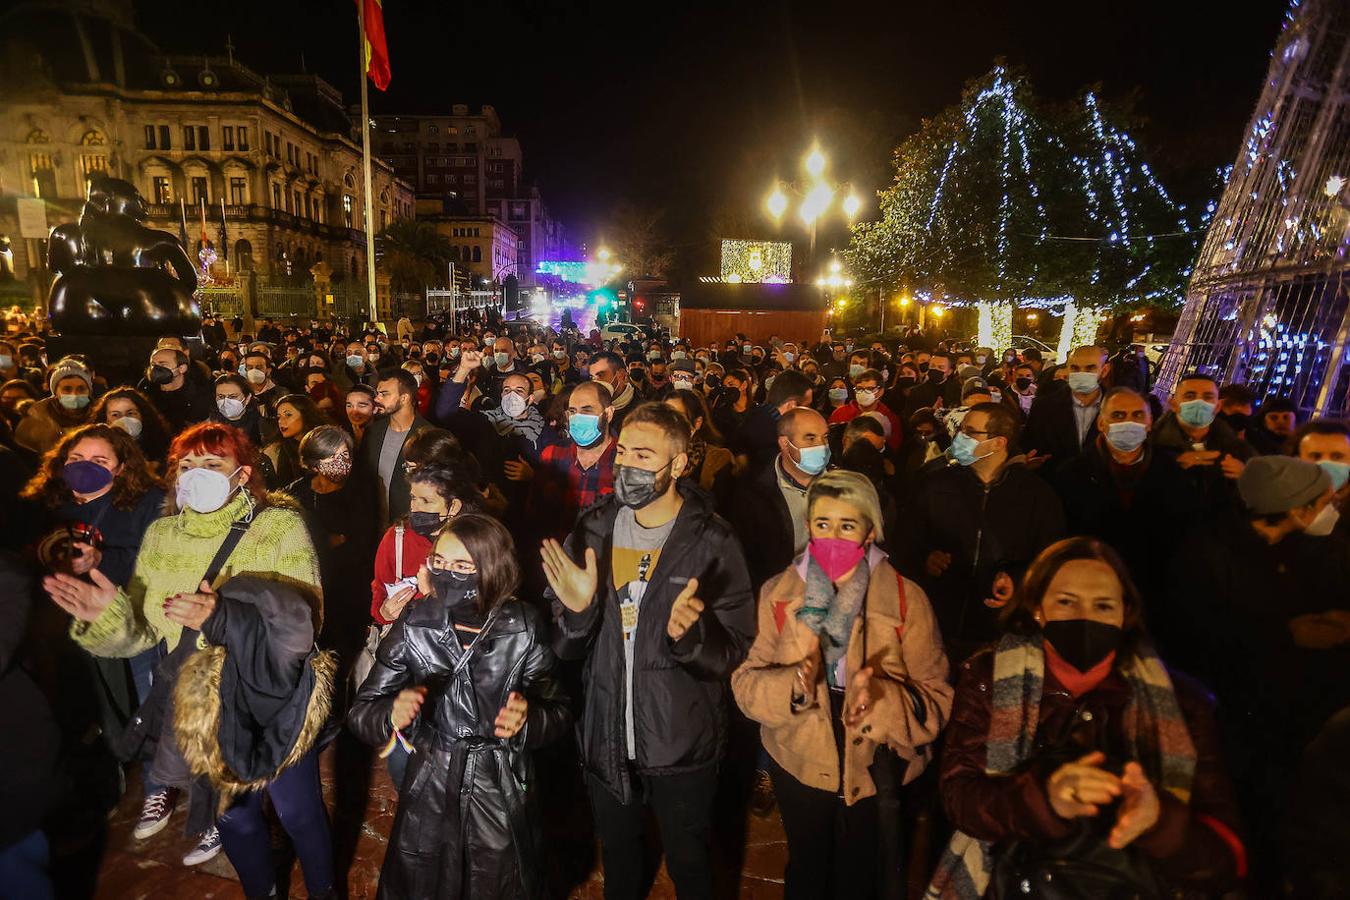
column 679, row 687
column 458, row 760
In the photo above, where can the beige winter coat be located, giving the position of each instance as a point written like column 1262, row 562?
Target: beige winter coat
column 912, row 697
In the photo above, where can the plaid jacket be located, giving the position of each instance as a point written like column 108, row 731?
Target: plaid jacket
column 562, row 488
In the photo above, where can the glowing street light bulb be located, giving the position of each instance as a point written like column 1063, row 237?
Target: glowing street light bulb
column 777, row 203
column 820, row 282
column 904, row 299
column 836, row 266
column 937, row 311
column 815, row 163
column 602, row 253
column 852, row 205
column 1334, row 185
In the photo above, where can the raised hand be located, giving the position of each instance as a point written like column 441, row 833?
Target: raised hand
column 191, row 610
column 684, row 612
column 574, row 585
column 512, row 716
column 1080, row 788
column 468, row 361
column 78, row 597
column 394, row 604
column 1139, row 806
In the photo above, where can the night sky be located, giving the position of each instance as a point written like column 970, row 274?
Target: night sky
column 692, row 108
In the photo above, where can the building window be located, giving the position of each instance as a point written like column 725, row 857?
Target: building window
column 470, row 148
column 433, row 129
column 161, row 190
column 243, row 137
column 189, row 137
column 199, row 194
column 267, row 142
column 433, row 178
column 384, row 219
column 149, row 137
column 238, row 191
column 477, row 253
column 276, row 196
column 203, row 137
column 243, row 255
column 227, row 137
column 347, row 209
column 165, row 138
column 290, row 153
column 297, row 203
column 309, row 207
column 470, row 178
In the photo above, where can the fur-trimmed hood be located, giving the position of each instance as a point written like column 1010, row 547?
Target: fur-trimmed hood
column 197, row 710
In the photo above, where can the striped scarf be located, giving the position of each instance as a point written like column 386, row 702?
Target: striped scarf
column 529, row 426
column 1154, row 729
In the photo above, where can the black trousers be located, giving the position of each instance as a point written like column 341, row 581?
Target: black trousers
column 833, row 849
column 682, row 805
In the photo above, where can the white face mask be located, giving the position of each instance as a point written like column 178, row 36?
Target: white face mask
column 230, row 408
column 1325, row 522
column 131, row 425
column 256, row 376
column 514, row 405
column 866, row 398
column 204, row 490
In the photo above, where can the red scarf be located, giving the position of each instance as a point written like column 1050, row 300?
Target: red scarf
column 1075, row 682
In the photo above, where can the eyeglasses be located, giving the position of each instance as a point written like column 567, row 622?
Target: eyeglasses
column 971, row 432
column 437, row 566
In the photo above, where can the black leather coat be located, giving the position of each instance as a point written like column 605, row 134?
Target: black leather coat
column 465, row 827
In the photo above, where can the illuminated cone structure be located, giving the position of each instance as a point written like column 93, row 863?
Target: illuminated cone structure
column 1267, row 301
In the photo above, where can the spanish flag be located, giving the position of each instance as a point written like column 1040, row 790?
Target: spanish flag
column 377, row 51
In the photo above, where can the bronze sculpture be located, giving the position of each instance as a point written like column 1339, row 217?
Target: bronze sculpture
column 115, row 275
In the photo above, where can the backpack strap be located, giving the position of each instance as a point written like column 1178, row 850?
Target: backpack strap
column 398, row 552
column 904, row 604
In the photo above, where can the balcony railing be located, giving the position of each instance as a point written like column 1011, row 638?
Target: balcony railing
column 251, row 212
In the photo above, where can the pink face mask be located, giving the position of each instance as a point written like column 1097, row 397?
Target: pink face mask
column 836, row 556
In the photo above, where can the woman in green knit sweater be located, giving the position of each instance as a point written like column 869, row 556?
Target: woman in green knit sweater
column 217, row 484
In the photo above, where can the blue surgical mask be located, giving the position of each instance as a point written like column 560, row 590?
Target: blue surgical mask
column 501, row 359
column 584, row 429
column 1083, row 382
column 1197, row 413
column 838, row 395
column 73, row 401
column 813, row 459
column 1339, row 472
column 963, row 449
column 789, row 356
column 1126, row 437
column 855, row 370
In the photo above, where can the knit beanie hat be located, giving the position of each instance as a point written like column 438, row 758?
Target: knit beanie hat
column 68, row 368
column 1276, row 484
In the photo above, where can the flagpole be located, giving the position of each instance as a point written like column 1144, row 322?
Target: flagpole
column 365, row 160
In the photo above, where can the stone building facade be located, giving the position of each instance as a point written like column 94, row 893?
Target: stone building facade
column 275, row 159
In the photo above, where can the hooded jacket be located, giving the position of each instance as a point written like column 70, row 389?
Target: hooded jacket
column 255, row 701
column 465, row 789
column 679, row 687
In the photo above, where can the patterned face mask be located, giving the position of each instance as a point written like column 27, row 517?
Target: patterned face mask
column 336, row 467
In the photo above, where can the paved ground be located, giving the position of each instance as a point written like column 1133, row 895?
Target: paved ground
column 132, row 870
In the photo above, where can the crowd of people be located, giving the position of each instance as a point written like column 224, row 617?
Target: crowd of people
column 965, row 617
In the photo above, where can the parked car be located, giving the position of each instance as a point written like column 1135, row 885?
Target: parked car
column 621, row 331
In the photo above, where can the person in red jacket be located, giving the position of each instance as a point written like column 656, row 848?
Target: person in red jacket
column 867, row 390
column 1072, row 749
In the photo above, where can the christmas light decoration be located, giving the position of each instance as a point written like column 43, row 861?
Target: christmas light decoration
column 768, row 262
column 1001, row 203
column 994, row 325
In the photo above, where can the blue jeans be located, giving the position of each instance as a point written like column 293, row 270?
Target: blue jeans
column 143, row 667
column 23, row 869
column 298, row 801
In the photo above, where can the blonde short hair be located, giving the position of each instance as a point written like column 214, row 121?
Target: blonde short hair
column 852, row 488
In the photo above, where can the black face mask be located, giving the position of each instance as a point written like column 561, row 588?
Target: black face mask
column 425, row 523
column 937, row 376
column 923, row 367
column 636, row 488
column 906, row 381
column 1022, row 383
column 1237, row 421
column 1083, row 643
column 160, row 375
column 455, row 589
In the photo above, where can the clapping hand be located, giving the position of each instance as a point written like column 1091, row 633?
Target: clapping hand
column 1139, row 806
column 512, row 716
column 1079, row 789
column 684, row 612
column 191, row 610
column 574, row 586
column 80, row 598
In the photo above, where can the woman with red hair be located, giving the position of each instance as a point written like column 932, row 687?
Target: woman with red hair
column 227, row 583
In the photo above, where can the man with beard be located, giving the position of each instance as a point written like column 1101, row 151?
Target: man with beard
column 382, row 446
column 574, row 474
column 661, row 628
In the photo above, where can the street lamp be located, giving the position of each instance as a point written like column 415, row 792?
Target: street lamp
column 815, row 163
column 816, row 196
column 777, row 203
column 852, row 205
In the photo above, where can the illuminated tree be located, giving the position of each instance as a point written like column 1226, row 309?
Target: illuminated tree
column 1003, row 201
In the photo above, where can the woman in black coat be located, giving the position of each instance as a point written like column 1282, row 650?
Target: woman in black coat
column 464, row 678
